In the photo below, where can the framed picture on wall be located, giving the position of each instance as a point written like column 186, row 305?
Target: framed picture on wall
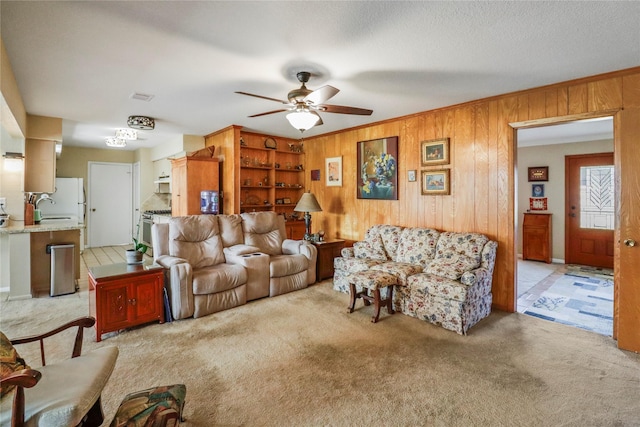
column 539, row 173
column 537, row 190
column 435, row 152
column 334, row 171
column 378, row 169
column 436, row 182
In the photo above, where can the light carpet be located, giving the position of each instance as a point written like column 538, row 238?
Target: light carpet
column 301, row 360
column 582, row 298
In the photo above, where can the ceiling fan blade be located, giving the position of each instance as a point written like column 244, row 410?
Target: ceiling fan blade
column 321, row 95
column 270, row 112
column 319, row 122
column 341, row 109
column 263, row 97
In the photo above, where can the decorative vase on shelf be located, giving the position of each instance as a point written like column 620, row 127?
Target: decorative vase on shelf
column 133, row 256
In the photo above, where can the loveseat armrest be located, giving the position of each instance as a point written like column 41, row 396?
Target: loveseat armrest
column 473, row 277
column 347, row 252
column 256, row 265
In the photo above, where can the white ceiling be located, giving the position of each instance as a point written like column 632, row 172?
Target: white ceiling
column 82, row 61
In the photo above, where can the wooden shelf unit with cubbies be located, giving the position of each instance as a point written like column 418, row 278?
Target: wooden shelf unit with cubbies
column 270, row 178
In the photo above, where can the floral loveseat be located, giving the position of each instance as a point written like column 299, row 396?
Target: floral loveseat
column 444, row 277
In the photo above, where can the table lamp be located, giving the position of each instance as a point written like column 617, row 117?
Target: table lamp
column 306, row 204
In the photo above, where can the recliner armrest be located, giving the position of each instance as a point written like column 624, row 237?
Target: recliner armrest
column 168, row 261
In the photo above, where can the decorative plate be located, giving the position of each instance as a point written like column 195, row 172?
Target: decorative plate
column 270, row 143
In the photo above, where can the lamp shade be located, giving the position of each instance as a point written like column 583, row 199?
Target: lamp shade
column 308, row 203
column 303, row 119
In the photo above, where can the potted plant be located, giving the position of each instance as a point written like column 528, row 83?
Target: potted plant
column 135, row 255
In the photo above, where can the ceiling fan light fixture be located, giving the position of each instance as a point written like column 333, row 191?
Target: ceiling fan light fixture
column 114, row 141
column 141, row 122
column 302, row 120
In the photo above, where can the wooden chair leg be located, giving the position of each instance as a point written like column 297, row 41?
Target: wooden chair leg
column 352, row 293
column 376, row 301
column 390, row 300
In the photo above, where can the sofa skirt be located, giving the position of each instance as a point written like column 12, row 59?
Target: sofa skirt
column 454, row 315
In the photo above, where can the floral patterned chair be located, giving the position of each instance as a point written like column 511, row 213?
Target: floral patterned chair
column 445, row 277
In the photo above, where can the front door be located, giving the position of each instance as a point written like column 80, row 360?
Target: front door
column 590, row 210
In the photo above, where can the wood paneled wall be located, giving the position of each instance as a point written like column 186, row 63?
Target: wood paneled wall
column 483, row 149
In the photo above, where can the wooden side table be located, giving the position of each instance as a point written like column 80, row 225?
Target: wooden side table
column 536, row 237
column 125, row 295
column 327, row 251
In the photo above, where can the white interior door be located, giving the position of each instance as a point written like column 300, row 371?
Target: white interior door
column 136, row 196
column 110, row 204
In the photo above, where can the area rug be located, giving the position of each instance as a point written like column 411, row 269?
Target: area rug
column 582, row 297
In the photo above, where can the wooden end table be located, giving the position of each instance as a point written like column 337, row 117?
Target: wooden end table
column 124, row 295
column 327, row 251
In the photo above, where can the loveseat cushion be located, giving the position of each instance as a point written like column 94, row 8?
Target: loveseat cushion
column 390, row 235
column 264, row 230
column 287, row 265
column 353, row 265
column 196, row 238
column 417, row 246
column 457, row 253
column 371, row 248
column 218, row 278
column 400, row 270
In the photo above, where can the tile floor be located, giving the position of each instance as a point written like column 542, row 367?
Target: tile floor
column 533, row 293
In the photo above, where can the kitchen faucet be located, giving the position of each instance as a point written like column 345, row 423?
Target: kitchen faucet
column 45, row 196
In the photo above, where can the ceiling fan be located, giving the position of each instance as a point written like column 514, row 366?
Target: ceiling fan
column 304, row 104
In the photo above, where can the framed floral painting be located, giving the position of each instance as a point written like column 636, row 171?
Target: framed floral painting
column 378, row 169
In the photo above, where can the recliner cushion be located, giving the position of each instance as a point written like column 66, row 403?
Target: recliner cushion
column 196, row 238
column 265, row 230
column 218, row 278
column 287, row 265
column 230, row 229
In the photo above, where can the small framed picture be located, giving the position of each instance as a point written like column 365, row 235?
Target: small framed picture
column 334, row 171
column 539, row 173
column 286, row 201
column 315, row 175
column 537, row 190
column 538, row 203
column 435, row 152
column 411, row 175
column 436, row 182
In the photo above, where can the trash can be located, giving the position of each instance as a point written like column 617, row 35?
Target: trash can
column 63, row 268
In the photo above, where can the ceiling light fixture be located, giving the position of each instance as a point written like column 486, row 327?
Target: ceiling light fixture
column 113, row 141
column 141, row 122
column 303, row 119
column 128, row 134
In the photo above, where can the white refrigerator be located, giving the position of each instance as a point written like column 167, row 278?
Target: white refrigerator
column 70, row 200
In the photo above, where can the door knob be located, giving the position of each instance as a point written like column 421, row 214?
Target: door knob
column 93, row 210
column 630, row 242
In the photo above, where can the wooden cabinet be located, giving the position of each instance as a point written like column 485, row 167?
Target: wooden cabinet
column 40, row 166
column 124, row 295
column 295, row 230
column 190, row 176
column 327, row 251
column 270, row 178
column 536, row 237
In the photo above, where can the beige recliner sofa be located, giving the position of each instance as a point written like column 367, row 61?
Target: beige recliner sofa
column 216, row 262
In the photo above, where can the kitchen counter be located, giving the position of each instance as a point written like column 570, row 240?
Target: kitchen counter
column 51, row 225
column 24, row 263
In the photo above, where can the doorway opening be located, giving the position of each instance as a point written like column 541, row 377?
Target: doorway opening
column 577, row 292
